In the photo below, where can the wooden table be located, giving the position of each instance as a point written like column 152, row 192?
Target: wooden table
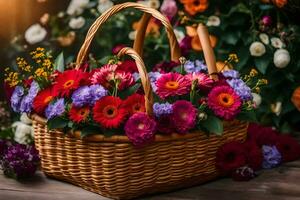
column 281, row 183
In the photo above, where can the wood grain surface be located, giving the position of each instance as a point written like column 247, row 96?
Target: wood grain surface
column 282, row 183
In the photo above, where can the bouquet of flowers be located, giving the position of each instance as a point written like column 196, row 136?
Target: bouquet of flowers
column 110, row 99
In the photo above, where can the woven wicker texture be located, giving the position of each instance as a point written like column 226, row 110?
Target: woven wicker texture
column 112, row 166
column 118, row 170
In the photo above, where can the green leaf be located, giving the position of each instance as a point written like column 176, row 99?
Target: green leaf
column 213, row 125
column 59, row 63
column 231, row 37
column 57, row 123
column 262, row 63
column 247, row 116
column 90, row 130
column 126, row 93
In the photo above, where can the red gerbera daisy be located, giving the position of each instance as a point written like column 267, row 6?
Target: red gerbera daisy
column 254, row 155
column 109, row 112
column 69, row 81
column 79, row 114
column 42, row 100
column 288, row 147
column 128, row 66
column 135, row 103
column 230, row 156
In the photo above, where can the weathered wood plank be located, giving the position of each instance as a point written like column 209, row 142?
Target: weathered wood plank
column 276, row 184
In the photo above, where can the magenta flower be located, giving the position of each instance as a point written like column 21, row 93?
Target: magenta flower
column 140, row 129
column 224, row 102
column 203, row 80
column 184, row 116
column 172, row 84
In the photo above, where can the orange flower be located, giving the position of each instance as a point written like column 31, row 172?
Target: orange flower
column 195, row 6
column 152, row 28
column 296, row 98
column 195, row 42
column 280, row 3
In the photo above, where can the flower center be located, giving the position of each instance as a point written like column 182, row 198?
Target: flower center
column 48, row 99
column 225, row 99
column 230, row 157
column 68, row 84
column 196, row 3
column 141, row 126
column 137, row 107
column 84, row 112
column 110, row 111
column 183, row 115
column 172, row 85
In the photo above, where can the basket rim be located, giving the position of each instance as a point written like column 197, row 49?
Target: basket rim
column 124, row 138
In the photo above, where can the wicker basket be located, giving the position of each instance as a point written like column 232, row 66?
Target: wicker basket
column 112, row 166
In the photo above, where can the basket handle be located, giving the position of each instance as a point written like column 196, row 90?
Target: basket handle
column 144, row 77
column 208, row 51
column 175, row 51
column 141, row 33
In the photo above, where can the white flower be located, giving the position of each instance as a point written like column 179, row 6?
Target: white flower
column 281, row 58
column 276, row 108
column 151, row 3
column 25, row 119
column 264, row 38
column 132, row 35
column 179, row 35
column 104, row 5
column 35, row 33
column 77, row 23
column 257, row 49
column 76, row 7
column 213, row 21
column 256, row 99
column 23, row 132
column 277, row 43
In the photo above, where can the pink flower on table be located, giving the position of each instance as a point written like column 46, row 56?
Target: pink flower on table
column 140, row 129
column 172, row 84
column 169, row 8
column 224, row 102
column 184, row 116
column 108, row 73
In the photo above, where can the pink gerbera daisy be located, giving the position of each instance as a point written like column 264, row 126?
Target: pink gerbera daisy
column 106, row 75
column 224, row 102
column 172, row 84
column 184, row 116
column 203, row 81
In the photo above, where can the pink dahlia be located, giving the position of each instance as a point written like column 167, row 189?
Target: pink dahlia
column 203, row 81
column 108, row 73
column 184, row 116
column 140, row 129
column 172, row 84
column 224, row 102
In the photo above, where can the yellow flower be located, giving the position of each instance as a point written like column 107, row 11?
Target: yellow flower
column 253, row 72
column 233, row 57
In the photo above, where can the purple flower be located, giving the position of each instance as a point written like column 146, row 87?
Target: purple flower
column 81, row 96
column 231, row 74
column 240, row 88
column 272, row 157
column 140, row 129
column 153, row 76
column 169, row 8
column 27, row 101
column 97, row 92
column 16, row 98
column 185, row 45
column 266, row 20
column 194, row 67
column 160, row 109
column 20, row 161
column 55, row 109
column 34, row 89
